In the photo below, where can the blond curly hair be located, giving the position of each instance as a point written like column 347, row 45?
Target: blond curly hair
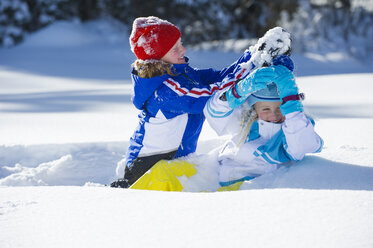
column 153, row 68
column 247, row 120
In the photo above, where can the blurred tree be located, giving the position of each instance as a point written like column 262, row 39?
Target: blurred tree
column 331, row 26
column 88, row 9
column 14, row 17
column 313, row 22
column 202, row 20
column 45, row 12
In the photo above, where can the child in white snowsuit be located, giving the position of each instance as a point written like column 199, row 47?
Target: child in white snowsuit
column 274, row 129
column 170, row 94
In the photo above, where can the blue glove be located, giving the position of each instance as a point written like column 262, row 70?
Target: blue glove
column 288, row 90
column 255, row 81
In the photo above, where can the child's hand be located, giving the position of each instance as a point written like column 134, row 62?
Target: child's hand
column 288, row 90
column 285, row 81
column 255, row 81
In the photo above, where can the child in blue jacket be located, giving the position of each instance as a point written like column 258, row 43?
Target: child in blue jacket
column 170, row 94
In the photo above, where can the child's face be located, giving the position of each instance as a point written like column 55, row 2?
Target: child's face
column 269, row 111
column 176, row 54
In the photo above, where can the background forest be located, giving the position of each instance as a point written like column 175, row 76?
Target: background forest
column 322, row 25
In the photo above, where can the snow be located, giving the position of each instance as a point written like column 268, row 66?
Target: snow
column 65, row 121
column 138, row 219
column 274, row 38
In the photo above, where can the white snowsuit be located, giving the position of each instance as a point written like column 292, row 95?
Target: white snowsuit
column 267, row 144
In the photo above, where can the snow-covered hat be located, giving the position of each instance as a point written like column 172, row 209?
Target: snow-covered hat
column 269, row 94
column 152, row 37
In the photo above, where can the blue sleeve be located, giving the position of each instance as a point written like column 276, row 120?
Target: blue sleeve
column 179, row 100
column 174, row 97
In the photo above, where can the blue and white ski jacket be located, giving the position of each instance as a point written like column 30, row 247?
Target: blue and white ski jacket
column 171, row 107
column 266, row 146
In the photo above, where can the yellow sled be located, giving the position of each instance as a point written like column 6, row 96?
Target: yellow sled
column 164, row 176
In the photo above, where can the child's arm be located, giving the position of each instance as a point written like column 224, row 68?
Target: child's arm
column 296, row 138
column 300, row 135
column 173, row 98
column 219, row 114
column 220, row 106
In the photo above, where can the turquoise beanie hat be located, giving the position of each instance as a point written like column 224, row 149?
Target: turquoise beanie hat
column 269, row 94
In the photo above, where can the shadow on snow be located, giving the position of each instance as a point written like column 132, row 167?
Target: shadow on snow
column 60, row 101
column 316, row 173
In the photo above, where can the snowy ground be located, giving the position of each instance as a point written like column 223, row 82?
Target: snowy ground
column 66, row 116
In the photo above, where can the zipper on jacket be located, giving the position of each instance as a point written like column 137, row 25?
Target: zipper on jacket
column 184, row 74
column 193, row 81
